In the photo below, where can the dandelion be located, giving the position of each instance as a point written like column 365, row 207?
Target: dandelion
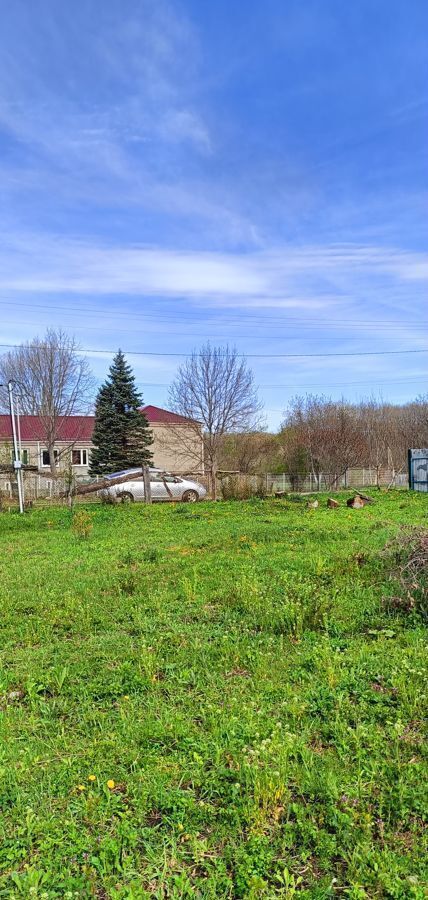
column 126, row 697
column 92, row 777
column 180, row 827
column 110, row 784
column 80, row 787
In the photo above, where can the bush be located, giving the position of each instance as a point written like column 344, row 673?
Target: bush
column 410, row 572
column 242, row 487
column 107, row 499
column 82, row 524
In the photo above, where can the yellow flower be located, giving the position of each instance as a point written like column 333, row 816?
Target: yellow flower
column 92, row 777
column 180, row 827
column 126, row 697
column 110, row 784
column 81, row 787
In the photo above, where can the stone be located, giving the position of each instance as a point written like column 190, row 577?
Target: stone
column 332, row 504
column 313, row 504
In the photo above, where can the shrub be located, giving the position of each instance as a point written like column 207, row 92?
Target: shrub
column 107, row 499
column 82, row 524
column 242, row 487
column 410, row 572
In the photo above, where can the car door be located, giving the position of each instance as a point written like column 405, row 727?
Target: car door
column 175, row 485
column 158, row 489
column 136, row 488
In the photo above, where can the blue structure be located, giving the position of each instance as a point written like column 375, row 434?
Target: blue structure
column 418, row 470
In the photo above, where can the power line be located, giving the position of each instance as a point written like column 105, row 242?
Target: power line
column 306, row 322
column 191, row 334
column 409, row 379
column 244, row 355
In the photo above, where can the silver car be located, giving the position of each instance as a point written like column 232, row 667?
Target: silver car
column 164, row 487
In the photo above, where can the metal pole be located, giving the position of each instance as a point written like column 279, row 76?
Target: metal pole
column 16, row 461
column 18, row 423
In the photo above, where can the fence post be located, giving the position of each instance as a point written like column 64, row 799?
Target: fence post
column 147, row 486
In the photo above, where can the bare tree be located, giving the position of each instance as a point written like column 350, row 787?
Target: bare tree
column 215, row 390
column 328, row 432
column 52, row 381
column 248, row 452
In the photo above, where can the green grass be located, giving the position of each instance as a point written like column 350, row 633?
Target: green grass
column 233, row 670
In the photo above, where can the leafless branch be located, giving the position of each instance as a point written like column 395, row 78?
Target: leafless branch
column 215, row 390
column 52, row 380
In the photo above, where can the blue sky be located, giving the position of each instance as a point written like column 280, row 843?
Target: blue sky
column 253, row 173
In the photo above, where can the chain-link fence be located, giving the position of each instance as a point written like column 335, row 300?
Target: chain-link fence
column 41, row 488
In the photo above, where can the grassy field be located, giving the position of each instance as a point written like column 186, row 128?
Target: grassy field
column 210, row 701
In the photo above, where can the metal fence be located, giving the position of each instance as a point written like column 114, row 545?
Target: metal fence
column 418, row 470
column 352, row 478
column 41, row 487
column 269, row 484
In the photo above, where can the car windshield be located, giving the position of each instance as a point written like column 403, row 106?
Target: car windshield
column 124, row 472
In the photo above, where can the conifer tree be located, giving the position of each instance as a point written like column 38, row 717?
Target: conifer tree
column 122, row 436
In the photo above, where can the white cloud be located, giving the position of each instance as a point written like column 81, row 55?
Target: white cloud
column 307, row 277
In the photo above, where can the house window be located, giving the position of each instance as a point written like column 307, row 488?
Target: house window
column 79, row 457
column 45, row 458
column 24, row 457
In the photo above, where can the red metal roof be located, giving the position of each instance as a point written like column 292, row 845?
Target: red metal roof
column 157, row 414
column 71, row 428
column 78, row 428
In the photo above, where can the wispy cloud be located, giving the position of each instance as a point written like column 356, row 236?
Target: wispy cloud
column 308, row 277
column 177, row 157
column 123, row 110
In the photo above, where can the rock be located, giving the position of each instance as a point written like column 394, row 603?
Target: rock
column 332, row 504
column 313, row 504
column 355, row 502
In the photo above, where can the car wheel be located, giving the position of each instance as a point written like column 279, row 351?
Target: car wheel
column 125, row 497
column 190, row 497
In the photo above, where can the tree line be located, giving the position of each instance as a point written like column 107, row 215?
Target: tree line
column 321, row 436
column 215, row 390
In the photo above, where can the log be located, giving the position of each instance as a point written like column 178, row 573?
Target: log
column 102, row 485
column 313, row 504
column 332, row 504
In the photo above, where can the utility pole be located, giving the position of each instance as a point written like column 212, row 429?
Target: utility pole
column 17, row 464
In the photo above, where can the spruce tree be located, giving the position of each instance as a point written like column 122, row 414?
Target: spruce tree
column 122, row 436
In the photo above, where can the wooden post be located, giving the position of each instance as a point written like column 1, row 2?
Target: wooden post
column 147, row 486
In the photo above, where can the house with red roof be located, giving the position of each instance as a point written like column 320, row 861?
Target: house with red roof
column 177, row 441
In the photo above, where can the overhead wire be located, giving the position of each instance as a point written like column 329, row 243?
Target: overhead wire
column 231, row 318
column 244, row 355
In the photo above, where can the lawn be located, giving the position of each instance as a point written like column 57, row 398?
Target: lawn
column 211, row 701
